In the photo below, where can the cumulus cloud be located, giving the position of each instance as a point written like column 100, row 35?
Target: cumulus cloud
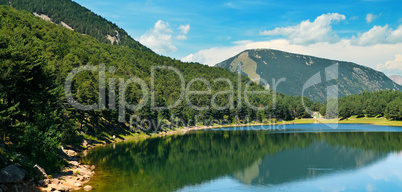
column 395, row 35
column 214, row 55
column 159, row 38
column 392, row 64
column 183, row 32
column 370, row 17
column 375, row 35
column 378, row 35
column 308, row 32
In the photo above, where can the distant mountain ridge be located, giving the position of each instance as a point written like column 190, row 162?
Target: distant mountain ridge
column 78, row 18
column 396, row 79
column 271, row 64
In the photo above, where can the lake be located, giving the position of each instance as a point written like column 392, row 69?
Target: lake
column 311, row 157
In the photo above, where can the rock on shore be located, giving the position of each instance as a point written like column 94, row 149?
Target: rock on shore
column 11, row 174
column 71, row 178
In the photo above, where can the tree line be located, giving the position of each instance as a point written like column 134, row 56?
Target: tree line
column 384, row 103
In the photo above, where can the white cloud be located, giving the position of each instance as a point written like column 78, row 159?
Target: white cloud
column 183, row 30
column 307, row 32
column 159, row 38
column 181, row 37
column 378, row 35
column 197, row 57
column 214, row 55
column 375, row 35
column 392, row 64
column 370, row 17
column 396, row 35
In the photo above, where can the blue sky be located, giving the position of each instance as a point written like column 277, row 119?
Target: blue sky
column 368, row 32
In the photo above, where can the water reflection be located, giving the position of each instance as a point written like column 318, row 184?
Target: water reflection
column 241, row 160
column 383, row 175
column 305, row 163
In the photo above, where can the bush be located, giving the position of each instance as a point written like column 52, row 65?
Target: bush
column 40, row 147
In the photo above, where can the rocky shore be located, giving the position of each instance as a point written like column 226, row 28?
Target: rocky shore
column 13, row 178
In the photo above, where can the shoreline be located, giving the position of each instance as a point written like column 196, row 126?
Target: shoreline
column 86, row 172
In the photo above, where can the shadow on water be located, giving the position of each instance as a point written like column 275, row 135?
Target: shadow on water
column 251, row 157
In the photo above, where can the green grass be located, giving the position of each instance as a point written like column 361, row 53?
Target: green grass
column 353, row 119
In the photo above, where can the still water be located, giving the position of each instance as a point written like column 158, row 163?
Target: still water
column 292, row 158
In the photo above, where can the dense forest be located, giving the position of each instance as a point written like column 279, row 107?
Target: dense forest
column 36, row 57
column 385, row 103
column 79, row 18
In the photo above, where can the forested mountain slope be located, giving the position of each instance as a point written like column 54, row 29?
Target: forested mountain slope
column 79, row 18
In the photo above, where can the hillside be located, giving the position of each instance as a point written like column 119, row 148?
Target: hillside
column 297, row 69
column 36, row 57
column 396, row 78
column 78, row 18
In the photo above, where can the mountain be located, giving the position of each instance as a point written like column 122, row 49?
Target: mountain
column 396, row 79
column 271, row 64
column 78, row 18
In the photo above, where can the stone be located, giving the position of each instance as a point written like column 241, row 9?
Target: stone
column 55, row 181
column 40, row 171
column 78, row 184
column 88, row 188
column 41, row 183
column 47, row 181
column 69, row 152
column 74, row 163
column 85, row 143
column 44, row 182
column 11, row 174
column 58, row 187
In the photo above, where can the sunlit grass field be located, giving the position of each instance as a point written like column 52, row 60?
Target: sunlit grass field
column 353, row 119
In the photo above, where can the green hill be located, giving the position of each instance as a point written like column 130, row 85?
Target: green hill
column 36, row 57
column 79, row 18
column 297, row 69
